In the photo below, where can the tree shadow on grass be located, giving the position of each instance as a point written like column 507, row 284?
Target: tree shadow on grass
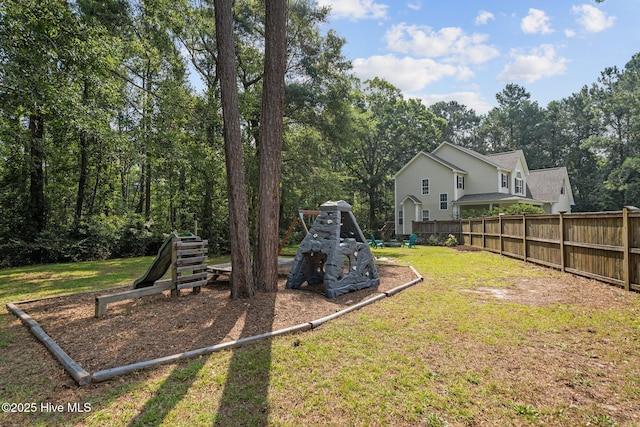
column 169, row 394
column 244, row 398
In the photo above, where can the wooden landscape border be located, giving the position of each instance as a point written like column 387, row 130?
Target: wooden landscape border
column 82, row 377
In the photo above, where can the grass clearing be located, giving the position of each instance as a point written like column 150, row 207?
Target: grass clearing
column 436, row 354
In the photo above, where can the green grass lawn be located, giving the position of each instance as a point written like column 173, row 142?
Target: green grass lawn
column 432, row 355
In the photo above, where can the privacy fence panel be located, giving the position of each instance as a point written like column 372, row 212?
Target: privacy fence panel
column 543, row 240
column 438, row 229
column 594, row 245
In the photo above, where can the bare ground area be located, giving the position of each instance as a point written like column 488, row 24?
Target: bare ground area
column 159, row 325
column 567, row 289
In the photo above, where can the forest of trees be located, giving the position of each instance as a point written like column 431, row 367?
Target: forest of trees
column 107, row 143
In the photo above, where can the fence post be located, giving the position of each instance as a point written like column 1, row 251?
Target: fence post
column 500, row 215
column 625, row 242
column 524, row 237
column 561, row 227
column 483, row 231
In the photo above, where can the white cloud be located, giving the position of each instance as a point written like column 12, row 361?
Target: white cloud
column 355, row 10
column 539, row 63
column 592, row 19
column 484, row 17
column 416, row 5
column 408, row 74
column 450, row 43
column 536, row 22
column 570, row 33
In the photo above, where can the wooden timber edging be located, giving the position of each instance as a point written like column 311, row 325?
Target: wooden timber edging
column 599, row 245
column 102, row 300
column 82, row 377
column 76, row 371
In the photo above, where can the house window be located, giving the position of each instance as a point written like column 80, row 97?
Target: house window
column 444, row 201
column 400, row 216
column 505, row 180
column 562, row 188
column 425, row 186
column 519, row 183
column 460, row 182
column 425, row 215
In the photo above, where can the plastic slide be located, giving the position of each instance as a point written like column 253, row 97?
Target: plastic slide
column 159, row 266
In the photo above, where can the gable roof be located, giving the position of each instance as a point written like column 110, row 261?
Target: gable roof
column 485, row 158
column 433, row 157
column 413, row 199
column 509, row 159
column 545, row 184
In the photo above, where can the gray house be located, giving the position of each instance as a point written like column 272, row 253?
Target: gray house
column 442, row 184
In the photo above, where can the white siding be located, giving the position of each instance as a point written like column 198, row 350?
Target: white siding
column 408, row 182
column 481, row 176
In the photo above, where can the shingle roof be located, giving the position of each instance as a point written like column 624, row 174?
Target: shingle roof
column 413, row 198
column 432, row 157
column 446, row 163
column 492, row 159
column 507, row 160
column 491, row 197
column 545, row 184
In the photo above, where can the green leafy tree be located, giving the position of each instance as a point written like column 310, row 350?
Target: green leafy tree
column 515, row 124
column 568, row 124
column 616, row 107
column 462, row 124
column 387, row 131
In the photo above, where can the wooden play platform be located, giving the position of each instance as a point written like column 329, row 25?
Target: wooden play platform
column 218, row 270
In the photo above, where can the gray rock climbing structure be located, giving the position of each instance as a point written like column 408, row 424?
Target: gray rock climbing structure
column 334, row 252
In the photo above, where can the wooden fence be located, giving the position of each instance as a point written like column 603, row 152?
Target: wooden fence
column 440, row 229
column 603, row 246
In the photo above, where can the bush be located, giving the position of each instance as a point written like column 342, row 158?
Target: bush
column 522, row 208
column 435, row 240
column 451, row 241
column 441, row 240
column 135, row 238
column 95, row 239
column 517, row 209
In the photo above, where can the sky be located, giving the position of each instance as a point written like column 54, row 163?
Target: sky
column 469, row 50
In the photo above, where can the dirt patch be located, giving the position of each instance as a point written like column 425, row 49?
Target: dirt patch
column 564, row 289
column 158, row 325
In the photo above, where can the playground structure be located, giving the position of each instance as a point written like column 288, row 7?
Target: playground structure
column 333, row 239
column 334, row 252
column 186, row 256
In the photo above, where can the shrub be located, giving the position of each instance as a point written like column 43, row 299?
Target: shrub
column 97, row 238
column 522, row 208
column 451, row 241
column 516, row 209
column 434, row 240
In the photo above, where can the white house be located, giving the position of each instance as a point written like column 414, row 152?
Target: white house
column 451, row 179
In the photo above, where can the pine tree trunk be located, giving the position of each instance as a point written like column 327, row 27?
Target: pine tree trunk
column 270, row 146
column 84, row 164
column 242, row 284
column 36, row 174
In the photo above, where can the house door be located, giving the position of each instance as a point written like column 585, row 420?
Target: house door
column 410, row 212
